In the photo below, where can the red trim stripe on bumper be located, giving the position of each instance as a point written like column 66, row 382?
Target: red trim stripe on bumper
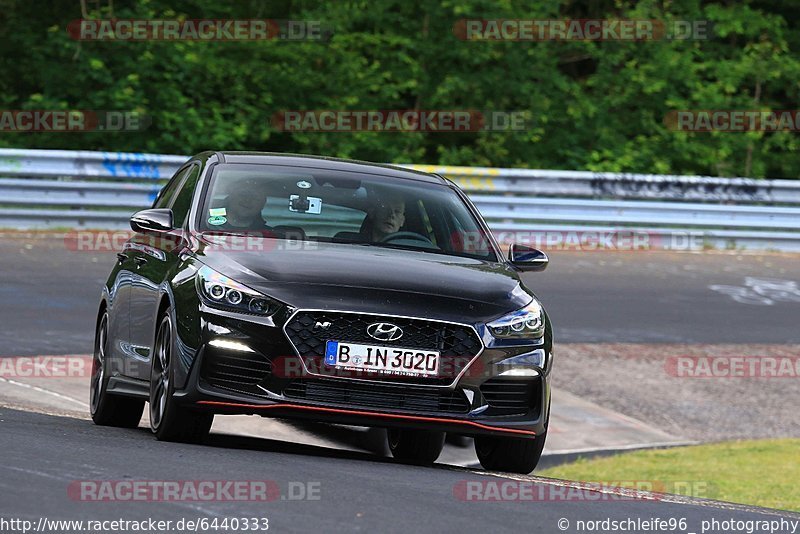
column 367, row 414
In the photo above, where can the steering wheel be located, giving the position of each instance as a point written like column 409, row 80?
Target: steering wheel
column 413, row 236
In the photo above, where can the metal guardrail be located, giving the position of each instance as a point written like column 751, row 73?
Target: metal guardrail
column 56, row 188
column 538, row 182
column 87, row 164
column 627, row 213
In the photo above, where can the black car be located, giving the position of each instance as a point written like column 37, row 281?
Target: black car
column 330, row 290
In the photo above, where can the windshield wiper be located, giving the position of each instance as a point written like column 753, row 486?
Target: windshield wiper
column 435, row 250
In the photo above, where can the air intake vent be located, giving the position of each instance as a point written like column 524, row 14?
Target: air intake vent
column 235, row 371
column 510, row 397
column 379, row 396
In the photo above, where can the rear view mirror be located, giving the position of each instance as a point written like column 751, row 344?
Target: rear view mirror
column 527, row 258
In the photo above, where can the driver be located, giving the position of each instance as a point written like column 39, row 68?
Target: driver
column 244, row 204
column 387, row 216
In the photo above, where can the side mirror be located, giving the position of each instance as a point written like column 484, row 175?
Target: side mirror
column 156, row 220
column 527, row 258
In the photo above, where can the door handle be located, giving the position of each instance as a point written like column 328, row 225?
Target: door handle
column 139, row 261
column 122, row 257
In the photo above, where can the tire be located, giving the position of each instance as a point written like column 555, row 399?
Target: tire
column 512, row 455
column 421, row 447
column 107, row 409
column 168, row 421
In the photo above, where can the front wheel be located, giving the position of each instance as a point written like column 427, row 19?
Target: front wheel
column 513, row 455
column 108, row 409
column 421, row 447
column 168, row 421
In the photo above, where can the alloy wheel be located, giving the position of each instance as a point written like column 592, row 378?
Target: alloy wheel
column 160, row 375
column 99, row 364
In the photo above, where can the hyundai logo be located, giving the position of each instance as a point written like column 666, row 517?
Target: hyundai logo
column 384, row 331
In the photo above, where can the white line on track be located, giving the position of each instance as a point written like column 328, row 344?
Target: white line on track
column 632, row 447
column 82, row 404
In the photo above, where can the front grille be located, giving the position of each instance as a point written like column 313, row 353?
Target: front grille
column 379, row 396
column 235, row 371
column 457, row 344
column 509, row 397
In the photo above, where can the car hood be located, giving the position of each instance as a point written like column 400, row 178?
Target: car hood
column 371, row 279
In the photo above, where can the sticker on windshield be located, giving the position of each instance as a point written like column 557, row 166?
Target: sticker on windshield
column 305, row 204
column 217, row 212
column 217, row 220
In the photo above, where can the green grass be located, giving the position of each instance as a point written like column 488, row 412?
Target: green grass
column 761, row 473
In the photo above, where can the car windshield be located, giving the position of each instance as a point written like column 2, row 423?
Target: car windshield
column 333, row 206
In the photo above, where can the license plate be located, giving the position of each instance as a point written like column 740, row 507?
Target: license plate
column 386, row 360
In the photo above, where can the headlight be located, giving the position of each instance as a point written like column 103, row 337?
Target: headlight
column 221, row 292
column 525, row 323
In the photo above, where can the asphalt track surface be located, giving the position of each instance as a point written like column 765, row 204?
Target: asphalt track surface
column 44, row 454
column 47, row 305
column 49, row 295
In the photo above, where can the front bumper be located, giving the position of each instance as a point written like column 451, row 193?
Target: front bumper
column 256, row 370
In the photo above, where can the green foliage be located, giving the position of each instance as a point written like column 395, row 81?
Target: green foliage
column 597, row 105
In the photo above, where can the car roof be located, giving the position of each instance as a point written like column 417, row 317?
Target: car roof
column 323, row 162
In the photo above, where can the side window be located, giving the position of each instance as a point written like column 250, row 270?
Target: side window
column 165, row 196
column 183, row 199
